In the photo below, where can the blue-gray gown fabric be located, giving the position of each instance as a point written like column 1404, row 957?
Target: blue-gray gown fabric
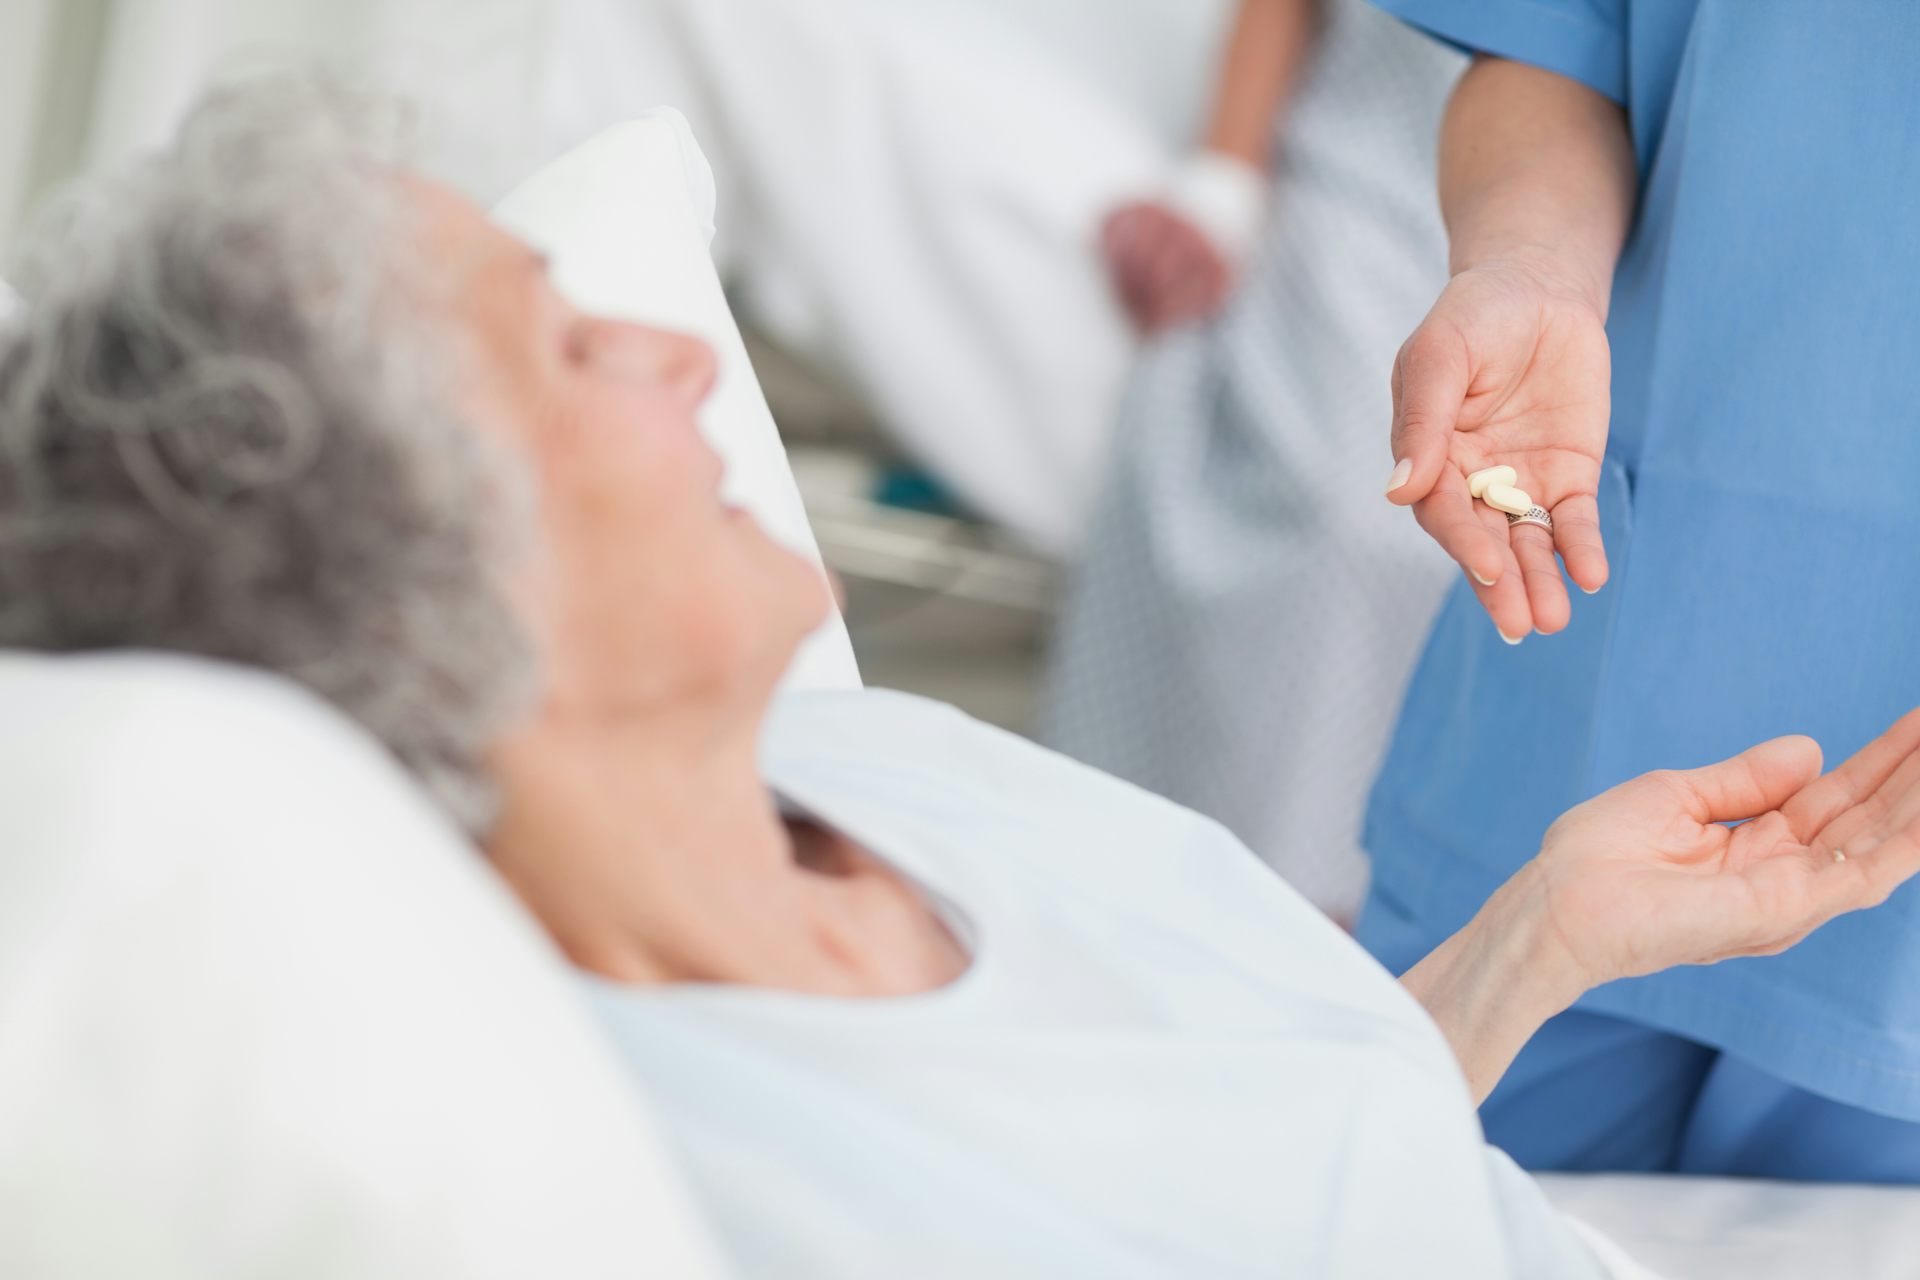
column 1249, row 606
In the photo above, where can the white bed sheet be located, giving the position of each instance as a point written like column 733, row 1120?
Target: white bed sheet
column 911, row 189
column 911, row 194
column 1683, row 1228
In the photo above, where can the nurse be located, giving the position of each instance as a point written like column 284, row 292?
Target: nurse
column 1685, row 306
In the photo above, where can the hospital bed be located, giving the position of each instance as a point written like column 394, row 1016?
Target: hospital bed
column 263, row 1013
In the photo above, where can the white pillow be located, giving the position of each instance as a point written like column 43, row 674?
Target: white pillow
column 262, row 1013
column 627, row 218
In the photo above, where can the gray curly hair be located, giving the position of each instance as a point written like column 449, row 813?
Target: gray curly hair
column 220, row 435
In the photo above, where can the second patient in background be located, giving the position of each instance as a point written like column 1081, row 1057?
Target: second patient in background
column 1240, row 519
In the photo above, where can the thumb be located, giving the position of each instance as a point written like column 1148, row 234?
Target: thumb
column 1754, row 782
column 1430, row 378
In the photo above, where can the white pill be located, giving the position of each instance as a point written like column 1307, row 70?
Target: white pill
column 1477, row 482
column 1504, row 497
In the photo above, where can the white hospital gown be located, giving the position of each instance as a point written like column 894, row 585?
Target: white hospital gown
column 1162, row 1062
column 1250, row 607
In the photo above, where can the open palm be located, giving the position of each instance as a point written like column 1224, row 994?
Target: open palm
column 1645, row 876
column 1508, row 369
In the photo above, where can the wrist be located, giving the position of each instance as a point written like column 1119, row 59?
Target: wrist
column 1519, row 927
column 1508, row 965
column 1555, row 271
column 1226, row 197
column 1498, row 980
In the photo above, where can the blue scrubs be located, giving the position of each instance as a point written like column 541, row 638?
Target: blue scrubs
column 1759, row 505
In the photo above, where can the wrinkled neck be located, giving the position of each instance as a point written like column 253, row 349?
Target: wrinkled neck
column 650, row 848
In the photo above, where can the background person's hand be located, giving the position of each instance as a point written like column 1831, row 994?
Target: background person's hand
column 1509, row 367
column 1165, row 269
column 1644, row 877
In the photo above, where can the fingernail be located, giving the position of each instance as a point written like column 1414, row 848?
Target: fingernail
column 1510, row 639
column 1402, row 472
column 1475, row 575
column 1592, row 591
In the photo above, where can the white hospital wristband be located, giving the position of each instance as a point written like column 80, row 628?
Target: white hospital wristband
column 1226, row 198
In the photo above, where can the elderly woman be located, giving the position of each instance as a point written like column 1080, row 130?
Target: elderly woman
column 915, row 998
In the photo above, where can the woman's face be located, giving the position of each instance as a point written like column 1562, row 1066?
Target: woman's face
column 647, row 590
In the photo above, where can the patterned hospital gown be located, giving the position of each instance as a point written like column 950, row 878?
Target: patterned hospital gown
column 1241, row 629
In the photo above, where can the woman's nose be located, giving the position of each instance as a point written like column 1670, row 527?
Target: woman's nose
column 683, row 364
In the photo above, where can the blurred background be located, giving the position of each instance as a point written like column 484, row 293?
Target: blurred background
column 1075, row 315
column 944, row 595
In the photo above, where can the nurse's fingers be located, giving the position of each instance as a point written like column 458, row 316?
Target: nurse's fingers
column 1576, row 532
column 1449, row 518
column 1867, row 772
column 1430, row 377
column 1508, row 601
column 1506, row 605
column 1540, row 572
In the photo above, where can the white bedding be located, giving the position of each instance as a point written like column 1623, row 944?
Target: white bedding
column 913, row 193
column 1682, row 1228
column 912, row 188
column 264, row 1013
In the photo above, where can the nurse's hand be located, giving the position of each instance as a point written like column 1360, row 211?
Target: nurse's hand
column 1645, row 877
column 1509, row 367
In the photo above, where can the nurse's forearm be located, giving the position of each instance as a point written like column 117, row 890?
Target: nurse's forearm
column 1493, row 984
column 1536, row 168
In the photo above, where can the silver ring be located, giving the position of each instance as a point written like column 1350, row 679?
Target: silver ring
column 1532, row 515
